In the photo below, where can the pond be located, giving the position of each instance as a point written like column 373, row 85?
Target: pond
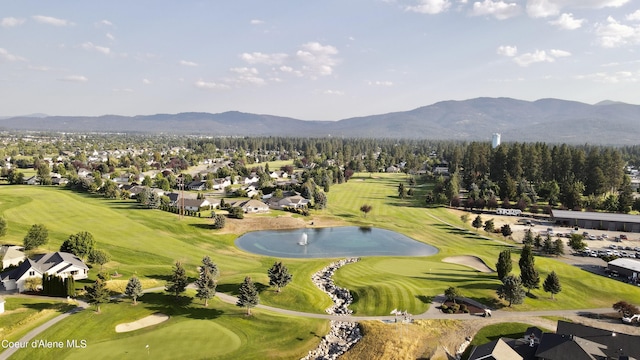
column 347, row 241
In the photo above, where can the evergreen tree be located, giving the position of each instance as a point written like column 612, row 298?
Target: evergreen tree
column 547, row 247
column 528, row 274
column 489, row 226
column 477, row 222
column 97, row 293
column 528, row 237
column 247, row 295
column 551, row 284
column 537, row 241
column 70, row 285
column 206, row 285
column 504, row 264
column 511, row 290
column 279, row 276
column 213, row 268
column 401, row 191
column 178, row 281
column 134, row 289
column 558, row 247
column 506, row 230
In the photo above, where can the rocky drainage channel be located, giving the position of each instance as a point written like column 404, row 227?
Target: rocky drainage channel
column 343, row 334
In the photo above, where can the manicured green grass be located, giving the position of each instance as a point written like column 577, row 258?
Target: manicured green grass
column 221, row 331
column 382, row 284
column 23, row 314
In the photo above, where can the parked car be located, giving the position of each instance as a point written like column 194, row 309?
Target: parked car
column 627, row 247
column 637, row 248
column 623, row 237
column 612, row 246
column 592, row 237
column 604, row 236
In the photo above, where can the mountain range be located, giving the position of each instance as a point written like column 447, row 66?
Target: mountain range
column 545, row 120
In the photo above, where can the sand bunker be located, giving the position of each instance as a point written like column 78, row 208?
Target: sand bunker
column 473, row 262
column 142, row 323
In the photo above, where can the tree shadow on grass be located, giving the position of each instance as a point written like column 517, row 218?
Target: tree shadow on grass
column 425, row 299
column 232, row 289
column 203, row 226
column 184, row 306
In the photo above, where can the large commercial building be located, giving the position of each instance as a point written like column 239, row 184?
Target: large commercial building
column 629, row 268
column 597, row 220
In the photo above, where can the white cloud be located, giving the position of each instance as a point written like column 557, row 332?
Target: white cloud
column 290, row 70
column 6, row 56
column 125, row 90
column 256, row 22
column 106, row 23
column 110, row 36
column 568, row 22
column 614, row 34
column 261, row 58
column 89, row 46
column 317, row 59
column 498, row 9
column 611, row 78
column 188, row 63
column 51, row 20
column 527, row 59
column 380, row 83
column 333, row 92
column 11, row 22
column 39, row 68
column 635, row 16
column 430, row 6
column 201, row 84
column 546, row 8
column 247, row 75
column 559, row 53
column 75, row 78
column 146, row 81
column 506, row 50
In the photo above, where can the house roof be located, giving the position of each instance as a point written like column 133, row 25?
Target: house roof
column 496, row 350
column 250, row 204
column 614, row 343
column 11, row 252
column 44, row 263
column 595, row 216
column 568, row 347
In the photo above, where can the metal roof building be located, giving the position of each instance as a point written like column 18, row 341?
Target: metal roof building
column 597, row 220
column 627, row 267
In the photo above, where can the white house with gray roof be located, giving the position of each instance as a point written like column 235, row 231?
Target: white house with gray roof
column 58, row 263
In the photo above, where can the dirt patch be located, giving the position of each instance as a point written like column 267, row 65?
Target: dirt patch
column 150, row 320
column 280, row 222
column 473, row 262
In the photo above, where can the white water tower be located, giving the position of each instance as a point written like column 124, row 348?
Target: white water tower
column 495, row 140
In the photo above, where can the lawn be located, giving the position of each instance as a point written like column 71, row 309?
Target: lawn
column 147, row 243
column 23, row 314
column 221, row 331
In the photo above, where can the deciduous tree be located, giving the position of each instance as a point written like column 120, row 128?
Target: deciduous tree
column 477, row 222
column 100, row 257
column 80, row 244
column 451, row 293
column 38, row 235
column 365, row 209
column 625, row 308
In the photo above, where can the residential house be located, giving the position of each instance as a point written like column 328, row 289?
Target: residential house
column 12, row 255
column 83, row 173
column 197, row 185
column 295, row 201
column 251, row 179
column 194, row 204
column 279, row 175
column 251, row 206
column 220, row 184
column 33, row 180
column 58, row 263
column 59, row 181
column 572, row 341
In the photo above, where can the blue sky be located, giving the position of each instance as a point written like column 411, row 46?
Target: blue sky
column 312, row 60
